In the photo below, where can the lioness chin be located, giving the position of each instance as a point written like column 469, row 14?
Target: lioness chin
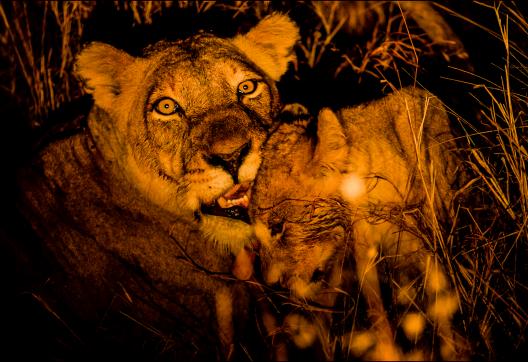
column 139, row 207
column 337, row 198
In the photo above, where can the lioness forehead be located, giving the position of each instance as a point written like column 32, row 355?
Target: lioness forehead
column 199, row 72
column 199, row 48
column 198, row 86
column 189, row 45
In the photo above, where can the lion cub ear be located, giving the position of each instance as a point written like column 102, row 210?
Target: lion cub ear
column 100, row 66
column 331, row 152
column 270, row 44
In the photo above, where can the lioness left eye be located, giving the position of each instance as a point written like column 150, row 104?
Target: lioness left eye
column 247, row 87
column 166, row 106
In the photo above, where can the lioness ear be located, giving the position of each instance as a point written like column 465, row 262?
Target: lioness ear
column 331, row 151
column 270, row 44
column 99, row 67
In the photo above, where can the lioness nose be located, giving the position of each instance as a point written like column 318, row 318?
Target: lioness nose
column 231, row 161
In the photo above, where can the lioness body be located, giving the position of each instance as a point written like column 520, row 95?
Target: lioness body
column 365, row 187
column 123, row 206
column 97, row 232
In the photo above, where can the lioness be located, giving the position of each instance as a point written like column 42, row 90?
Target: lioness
column 363, row 183
column 141, row 208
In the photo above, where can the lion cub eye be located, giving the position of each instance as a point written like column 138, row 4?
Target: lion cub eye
column 166, row 106
column 277, row 228
column 247, row 87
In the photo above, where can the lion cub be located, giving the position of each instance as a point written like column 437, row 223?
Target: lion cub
column 362, row 185
column 140, row 209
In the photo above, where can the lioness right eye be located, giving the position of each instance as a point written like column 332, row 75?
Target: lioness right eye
column 166, row 106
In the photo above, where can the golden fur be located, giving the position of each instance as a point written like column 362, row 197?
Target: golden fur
column 364, row 182
column 120, row 205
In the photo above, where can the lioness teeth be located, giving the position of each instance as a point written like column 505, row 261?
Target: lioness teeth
column 238, row 195
column 232, row 204
column 226, row 203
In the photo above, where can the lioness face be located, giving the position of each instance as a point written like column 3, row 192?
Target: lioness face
column 206, row 119
column 189, row 118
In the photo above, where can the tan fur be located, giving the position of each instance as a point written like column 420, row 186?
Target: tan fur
column 365, row 187
column 119, row 204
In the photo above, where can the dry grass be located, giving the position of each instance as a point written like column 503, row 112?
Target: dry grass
column 486, row 252
column 41, row 43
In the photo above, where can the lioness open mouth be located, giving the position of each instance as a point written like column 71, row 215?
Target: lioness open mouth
column 232, row 204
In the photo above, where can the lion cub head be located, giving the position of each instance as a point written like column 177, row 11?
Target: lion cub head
column 184, row 123
column 298, row 218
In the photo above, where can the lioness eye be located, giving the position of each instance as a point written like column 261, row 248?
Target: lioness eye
column 166, row 106
column 247, row 87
